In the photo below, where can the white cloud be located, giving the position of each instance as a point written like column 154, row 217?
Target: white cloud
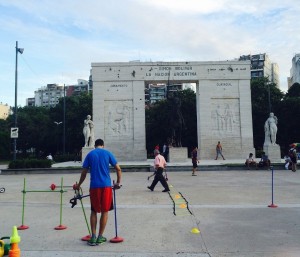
column 62, row 38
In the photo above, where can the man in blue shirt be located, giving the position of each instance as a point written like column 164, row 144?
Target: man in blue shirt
column 97, row 162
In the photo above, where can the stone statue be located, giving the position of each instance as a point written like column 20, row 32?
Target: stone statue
column 176, row 118
column 271, row 129
column 88, row 132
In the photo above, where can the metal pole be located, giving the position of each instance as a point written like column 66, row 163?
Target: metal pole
column 272, row 187
column 115, row 210
column 272, row 205
column 60, row 226
column 16, row 94
column 23, row 205
column 61, row 200
column 86, row 221
column 64, row 123
column 269, row 97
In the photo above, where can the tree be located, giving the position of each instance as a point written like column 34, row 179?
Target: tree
column 5, row 140
column 33, row 124
column 189, row 112
column 156, row 124
column 158, row 127
column 39, row 135
column 293, row 91
column 289, row 118
column 76, row 110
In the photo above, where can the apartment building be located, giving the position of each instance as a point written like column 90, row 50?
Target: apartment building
column 261, row 66
column 294, row 71
column 49, row 95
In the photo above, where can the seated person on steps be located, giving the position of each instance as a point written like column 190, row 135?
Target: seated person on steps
column 250, row 161
column 264, row 161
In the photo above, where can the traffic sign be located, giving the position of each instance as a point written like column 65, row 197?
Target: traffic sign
column 14, row 132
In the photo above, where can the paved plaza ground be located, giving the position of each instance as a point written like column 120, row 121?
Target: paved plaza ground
column 229, row 208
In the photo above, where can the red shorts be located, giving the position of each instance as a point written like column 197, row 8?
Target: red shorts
column 101, row 199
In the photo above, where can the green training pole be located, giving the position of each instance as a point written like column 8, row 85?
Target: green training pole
column 60, row 226
column 86, row 221
column 23, row 227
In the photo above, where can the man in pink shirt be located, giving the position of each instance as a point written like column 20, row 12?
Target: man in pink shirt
column 159, row 165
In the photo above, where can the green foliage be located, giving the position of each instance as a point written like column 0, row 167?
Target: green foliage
column 189, row 112
column 29, row 163
column 294, row 91
column 289, row 119
column 39, row 135
column 76, row 110
column 33, row 123
column 158, row 127
column 5, row 140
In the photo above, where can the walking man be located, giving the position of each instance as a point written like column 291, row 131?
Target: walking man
column 97, row 162
column 219, row 151
column 159, row 165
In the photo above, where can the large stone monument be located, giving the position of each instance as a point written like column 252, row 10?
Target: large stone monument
column 223, row 105
column 270, row 147
column 89, row 138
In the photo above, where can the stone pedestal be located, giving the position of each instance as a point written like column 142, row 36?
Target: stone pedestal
column 178, row 154
column 273, row 152
column 85, row 151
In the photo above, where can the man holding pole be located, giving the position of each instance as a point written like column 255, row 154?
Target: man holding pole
column 98, row 161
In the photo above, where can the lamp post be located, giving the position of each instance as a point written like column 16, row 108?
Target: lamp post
column 269, row 97
column 57, row 124
column 18, row 50
column 64, row 135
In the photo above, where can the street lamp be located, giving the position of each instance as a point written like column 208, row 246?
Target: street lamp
column 57, row 124
column 269, row 97
column 64, row 133
column 18, row 50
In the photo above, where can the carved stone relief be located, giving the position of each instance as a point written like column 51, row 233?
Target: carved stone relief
column 119, row 118
column 225, row 117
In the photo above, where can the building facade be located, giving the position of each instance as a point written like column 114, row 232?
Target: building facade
column 49, row 96
column 261, row 66
column 159, row 91
column 223, row 105
column 294, row 71
column 83, row 86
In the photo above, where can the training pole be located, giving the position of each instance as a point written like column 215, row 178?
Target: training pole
column 60, row 226
column 88, row 237
column 24, row 191
column 116, row 239
column 23, row 227
column 272, row 205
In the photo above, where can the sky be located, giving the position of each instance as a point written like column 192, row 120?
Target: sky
column 62, row 38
